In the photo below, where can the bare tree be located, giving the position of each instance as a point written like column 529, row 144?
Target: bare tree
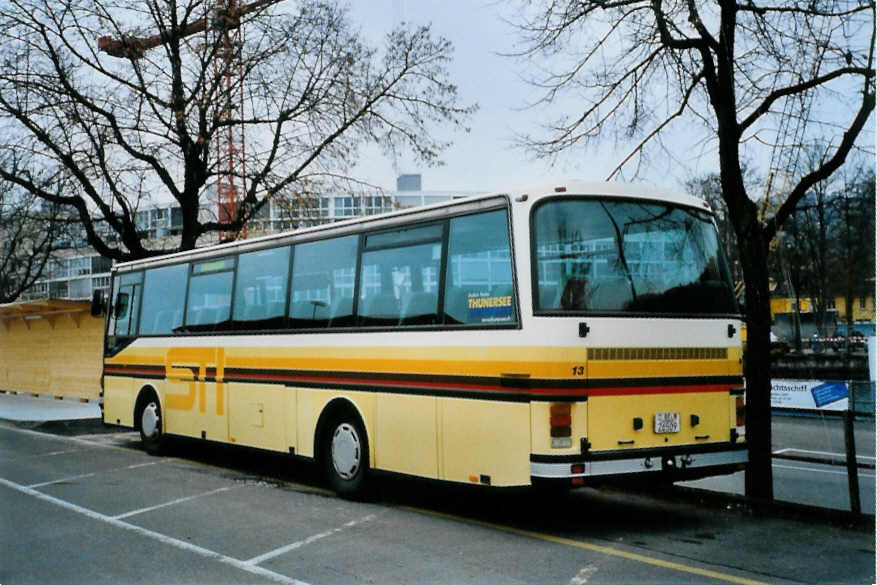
column 851, row 256
column 737, row 68
column 143, row 119
column 709, row 188
column 799, row 262
column 28, row 228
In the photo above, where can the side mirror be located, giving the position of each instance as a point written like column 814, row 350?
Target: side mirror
column 98, row 304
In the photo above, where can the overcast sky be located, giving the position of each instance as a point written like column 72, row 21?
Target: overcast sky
column 485, row 158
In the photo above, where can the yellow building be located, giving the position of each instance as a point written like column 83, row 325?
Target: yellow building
column 787, row 305
column 52, row 348
column 863, row 307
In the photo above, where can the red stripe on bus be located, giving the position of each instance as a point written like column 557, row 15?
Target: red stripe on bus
column 377, row 383
column 660, row 390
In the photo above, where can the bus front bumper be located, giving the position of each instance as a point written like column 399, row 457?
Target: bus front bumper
column 672, row 464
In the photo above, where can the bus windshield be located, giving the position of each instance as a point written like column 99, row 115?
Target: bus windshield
column 609, row 256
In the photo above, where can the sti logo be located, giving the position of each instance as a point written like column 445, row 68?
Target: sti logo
column 188, row 369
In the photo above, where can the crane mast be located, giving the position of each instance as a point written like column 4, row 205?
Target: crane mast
column 222, row 28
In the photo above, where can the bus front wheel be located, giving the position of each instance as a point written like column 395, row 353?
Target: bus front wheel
column 148, row 418
column 345, row 456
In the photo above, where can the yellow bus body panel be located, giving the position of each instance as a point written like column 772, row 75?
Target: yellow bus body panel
column 312, row 402
column 405, row 435
column 119, row 397
column 258, row 415
column 611, row 420
column 452, row 438
column 203, row 417
column 485, row 438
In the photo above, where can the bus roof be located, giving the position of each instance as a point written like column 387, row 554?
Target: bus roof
column 609, row 189
column 528, row 195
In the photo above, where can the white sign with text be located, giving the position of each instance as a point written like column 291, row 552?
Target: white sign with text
column 812, row 394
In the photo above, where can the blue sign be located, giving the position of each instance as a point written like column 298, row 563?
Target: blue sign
column 829, row 392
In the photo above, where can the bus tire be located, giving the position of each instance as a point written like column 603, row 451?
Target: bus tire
column 148, row 417
column 345, row 455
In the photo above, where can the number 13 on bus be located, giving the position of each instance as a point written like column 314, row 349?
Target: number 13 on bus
column 569, row 334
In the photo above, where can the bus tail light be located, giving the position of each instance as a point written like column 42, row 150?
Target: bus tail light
column 741, row 411
column 561, row 425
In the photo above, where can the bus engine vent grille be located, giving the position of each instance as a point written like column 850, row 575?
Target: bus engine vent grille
column 657, row 353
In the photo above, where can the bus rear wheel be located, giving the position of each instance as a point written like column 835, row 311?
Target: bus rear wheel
column 345, row 456
column 150, row 423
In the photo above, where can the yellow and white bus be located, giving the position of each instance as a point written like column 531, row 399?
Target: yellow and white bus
column 569, row 334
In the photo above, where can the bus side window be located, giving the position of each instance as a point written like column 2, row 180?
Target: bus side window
column 322, row 283
column 479, row 285
column 164, row 292
column 399, row 277
column 260, row 292
column 209, row 297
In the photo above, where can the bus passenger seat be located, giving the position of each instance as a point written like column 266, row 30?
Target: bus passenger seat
column 208, row 316
column 419, row 308
column 276, row 308
column 383, row 306
column 254, row 312
column 342, row 308
column 163, row 322
column 457, row 305
column 303, row 310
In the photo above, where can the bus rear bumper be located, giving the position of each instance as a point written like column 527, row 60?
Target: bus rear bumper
column 671, row 464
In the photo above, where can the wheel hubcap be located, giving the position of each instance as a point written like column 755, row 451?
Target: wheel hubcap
column 346, row 452
column 149, row 420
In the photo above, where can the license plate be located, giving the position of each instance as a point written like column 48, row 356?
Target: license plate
column 666, row 422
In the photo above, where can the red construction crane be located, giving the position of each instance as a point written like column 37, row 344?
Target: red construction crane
column 224, row 26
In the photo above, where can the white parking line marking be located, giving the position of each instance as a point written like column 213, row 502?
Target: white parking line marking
column 170, row 503
column 49, row 454
column 104, row 437
column 840, row 455
column 163, row 538
column 290, row 547
column 55, row 453
column 62, row 480
column 815, row 470
column 23, row 458
column 139, row 465
column 92, row 474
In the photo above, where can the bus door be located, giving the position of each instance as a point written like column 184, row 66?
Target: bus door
column 126, row 302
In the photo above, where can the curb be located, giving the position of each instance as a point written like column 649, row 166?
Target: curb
column 775, row 508
column 66, row 428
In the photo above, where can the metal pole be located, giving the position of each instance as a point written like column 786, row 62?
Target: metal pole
column 852, row 466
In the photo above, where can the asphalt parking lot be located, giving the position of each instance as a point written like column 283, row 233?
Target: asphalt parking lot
column 94, row 508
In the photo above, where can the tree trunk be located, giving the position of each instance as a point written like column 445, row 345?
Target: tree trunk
column 756, row 366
